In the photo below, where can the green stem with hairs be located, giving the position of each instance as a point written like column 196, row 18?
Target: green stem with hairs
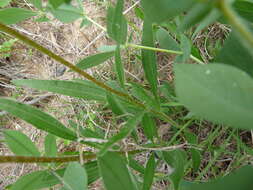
column 236, row 21
column 163, row 50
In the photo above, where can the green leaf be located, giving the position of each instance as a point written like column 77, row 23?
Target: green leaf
column 149, row 57
column 204, row 89
column 75, row 177
column 196, row 14
column 37, row 118
column 149, row 173
column 161, row 10
column 119, row 67
column 15, row 15
column 166, row 41
column 244, row 9
column 186, row 48
column 149, row 127
column 240, row 179
column 115, row 173
column 116, row 23
column 236, row 54
column 94, row 60
column 4, row 3
column 56, row 3
column 81, row 89
column 195, row 154
column 115, row 105
column 177, row 160
column 50, row 145
column 45, row 179
column 36, row 3
column 124, row 132
column 20, row 144
column 66, row 13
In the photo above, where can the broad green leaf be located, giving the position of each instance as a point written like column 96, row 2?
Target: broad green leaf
column 177, row 160
column 244, row 9
column 149, row 57
column 195, row 154
column 186, row 48
column 66, row 13
column 114, row 172
column 119, row 67
column 162, row 10
column 4, row 3
column 36, row 3
column 166, row 41
column 94, row 60
column 81, row 89
column 75, row 177
column 45, row 179
column 149, row 173
column 196, row 14
column 234, row 53
column 240, row 179
column 114, row 104
column 15, row 15
column 149, row 127
column 204, row 89
column 124, row 132
column 37, row 118
column 20, row 144
column 116, row 23
column 50, row 145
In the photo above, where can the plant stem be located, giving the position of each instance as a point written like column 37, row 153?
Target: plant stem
column 164, row 51
column 59, row 59
column 44, row 159
column 236, row 22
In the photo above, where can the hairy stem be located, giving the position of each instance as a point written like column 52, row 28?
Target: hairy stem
column 164, row 51
column 44, row 159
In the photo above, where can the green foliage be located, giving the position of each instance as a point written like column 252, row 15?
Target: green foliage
column 220, row 92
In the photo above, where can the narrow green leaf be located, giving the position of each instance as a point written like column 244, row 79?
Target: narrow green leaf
column 115, row 105
column 177, row 160
column 45, row 179
column 124, row 132
column 186, row 48
column 37, row 118
column 240, row 179
column 15, row 15
column 75, row 177
column 244, row 9
column 234, row 53
column 161, row 10
column 196, row 14
column 56, row 3
column 149, row 173
column 50, row 145
column 115, row 173
column 149, row 57
column 4, row 3
column 166, row 41
column 135, row 165
column 94, row 60
column 116, row 23
column 204, row 89
column 20, row 144
column 66, row 13
column 119, row 67
column 149, row 127
column 81, row 89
